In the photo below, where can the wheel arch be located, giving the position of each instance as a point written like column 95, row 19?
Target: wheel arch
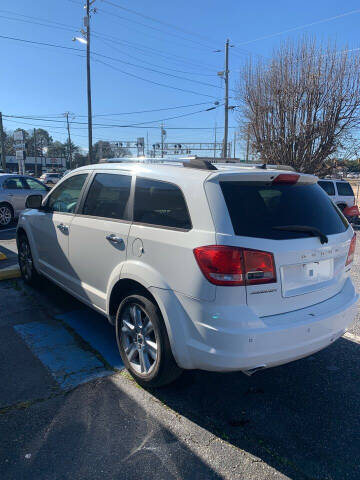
column 20, row 232
column 166, row 301
column 341, row 205
column 123, row 288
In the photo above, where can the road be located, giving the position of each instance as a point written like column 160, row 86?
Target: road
column 69, row 411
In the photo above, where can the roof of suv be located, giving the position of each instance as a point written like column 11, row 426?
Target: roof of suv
column 176, row 172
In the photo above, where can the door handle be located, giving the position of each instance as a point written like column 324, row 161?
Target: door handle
column 63, row 228
column 114, row 239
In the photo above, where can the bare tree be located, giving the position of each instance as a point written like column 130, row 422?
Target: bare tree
column 302, row 106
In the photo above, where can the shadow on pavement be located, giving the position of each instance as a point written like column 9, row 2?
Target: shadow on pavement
column 302, row 418
column 96, row 432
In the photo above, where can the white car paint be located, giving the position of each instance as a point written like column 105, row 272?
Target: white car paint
column 210, row 327
column 332, row 186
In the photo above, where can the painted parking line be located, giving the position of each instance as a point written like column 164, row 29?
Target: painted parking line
column 58, row 350
column 97, row 332
column 352, row 337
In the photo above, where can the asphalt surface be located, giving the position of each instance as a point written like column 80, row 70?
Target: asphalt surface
column 68, row 410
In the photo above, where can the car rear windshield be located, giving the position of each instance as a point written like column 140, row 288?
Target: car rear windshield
column 344, row 189
column 255, row 209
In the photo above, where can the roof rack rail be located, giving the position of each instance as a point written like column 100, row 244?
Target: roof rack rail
column 199, row 164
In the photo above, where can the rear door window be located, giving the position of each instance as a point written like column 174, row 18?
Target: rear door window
column 328, row 187
column 256, row 208
column 160, row 203
column 14, row 183
column 108, row 196
column 344, row 189
column 33, row 184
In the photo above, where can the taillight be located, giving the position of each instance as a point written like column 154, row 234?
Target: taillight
column 259, row 267
column 289, row 178
column 350, row 257
column 223, row 265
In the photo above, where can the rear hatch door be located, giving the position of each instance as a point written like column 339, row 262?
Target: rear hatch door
column 284, row 218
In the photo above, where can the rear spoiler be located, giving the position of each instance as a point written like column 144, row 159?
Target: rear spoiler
column 264, row 166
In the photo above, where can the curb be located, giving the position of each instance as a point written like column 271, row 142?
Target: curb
column 13, row 271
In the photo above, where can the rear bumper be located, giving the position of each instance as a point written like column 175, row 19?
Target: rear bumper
column 224, row 340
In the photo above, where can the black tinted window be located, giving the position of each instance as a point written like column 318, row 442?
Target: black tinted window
column 108, row 196
column 256, row 208
column 160, row 203
column 344, row 189
column 328, row 187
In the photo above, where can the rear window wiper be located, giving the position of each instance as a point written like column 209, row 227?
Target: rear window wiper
column 304, row 228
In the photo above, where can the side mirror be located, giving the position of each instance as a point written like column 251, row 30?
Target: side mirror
column 33, row 201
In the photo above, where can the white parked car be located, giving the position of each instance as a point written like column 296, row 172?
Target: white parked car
column 14, row 190
column 197, row 267
column 50, row 178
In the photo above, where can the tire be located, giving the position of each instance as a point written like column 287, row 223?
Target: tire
column 6, row 214
column 143, row 342
column 26, row 264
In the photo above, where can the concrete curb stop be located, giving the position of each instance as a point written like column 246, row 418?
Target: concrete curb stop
column 7, row 273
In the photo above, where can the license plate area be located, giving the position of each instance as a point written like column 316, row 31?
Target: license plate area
column 303, row 278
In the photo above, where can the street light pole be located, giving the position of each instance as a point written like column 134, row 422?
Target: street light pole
column 88, row 71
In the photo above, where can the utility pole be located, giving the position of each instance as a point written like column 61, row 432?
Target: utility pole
column 2, row 144
column 226, row 105
column 69, row 141
column 162, row 140
column 215, row 141
column 35, row 153
column 87, row 25
column 234, row 144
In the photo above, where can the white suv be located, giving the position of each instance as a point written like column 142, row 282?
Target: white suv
column 340, row 191
column 197, row 267
column 50, row 178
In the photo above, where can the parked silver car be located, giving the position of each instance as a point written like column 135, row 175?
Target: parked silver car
column 14, row 190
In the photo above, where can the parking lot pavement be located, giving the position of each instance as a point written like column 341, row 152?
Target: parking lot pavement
column 68, row 410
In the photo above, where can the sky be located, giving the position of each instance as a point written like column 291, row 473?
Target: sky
column 147, row 56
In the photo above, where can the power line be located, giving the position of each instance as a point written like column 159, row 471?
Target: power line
column 152, row 81
column 104, row 125
column 120, row 113
column 324, row 20
column 159, row 53
column 108, row 43
column 14, row 119
column 111, row 58
column 213, row 45
column 156, row 20
column 150, row 111
column 71, row 28
column 112, row 14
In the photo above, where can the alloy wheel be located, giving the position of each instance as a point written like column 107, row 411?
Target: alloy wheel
column 138, row 339
column 25, row 260
column 5, row 215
